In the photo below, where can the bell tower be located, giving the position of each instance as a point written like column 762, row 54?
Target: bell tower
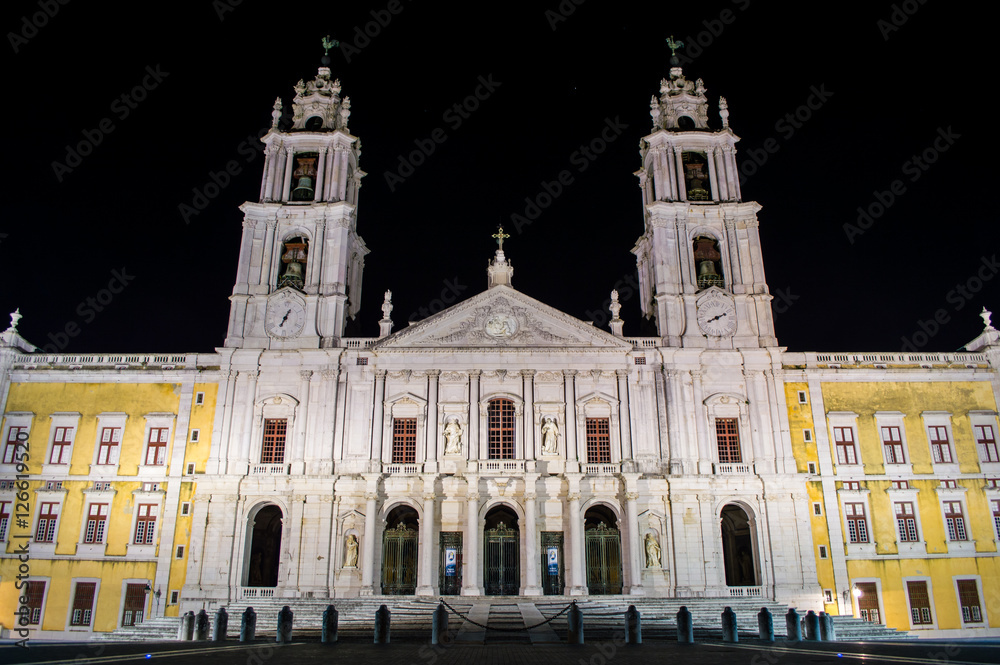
column 700, row 270
column 301, row 258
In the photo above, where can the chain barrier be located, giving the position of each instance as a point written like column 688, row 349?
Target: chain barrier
column 509, row 630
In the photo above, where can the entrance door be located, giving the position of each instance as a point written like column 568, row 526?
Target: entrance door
column 868, row 602
column 604, row 560
column 399, row 561
column 451, row 563
column 135, row 603
column 500, row 561
column 552, row 563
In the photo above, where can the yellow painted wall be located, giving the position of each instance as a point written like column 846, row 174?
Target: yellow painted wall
column 821, row 536
column 182, row 536
column 800, row 418
column 202, row 418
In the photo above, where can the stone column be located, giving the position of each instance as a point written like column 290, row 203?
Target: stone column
column 368, row 553
column 265, row 185
column 635, row 562
column 249, row 399
column 303, row 413
column 624, row 417
column 286, row 184
column 320, row 174
column 277, row 171
column 474, row 414
column 328, row 177
column 530, row 452
column 424, row 573
column 376, row 451
column 572, row 454
column 720, row 173
column 668, row 158
column 705, row 455
column 681, row 184
column 577, row 581
column 431, row 446
column 531, row 588
column 712, row 176
column 470, row 577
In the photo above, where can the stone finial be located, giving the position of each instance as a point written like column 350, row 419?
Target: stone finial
column 276, row 113
column 15, row 316
column 345, row 113
column 724, row 111
column 986, row 314
column 655, row 112
column 616, row 321
column 385, row 325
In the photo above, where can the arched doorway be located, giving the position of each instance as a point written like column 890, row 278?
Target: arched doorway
column 501, row 552
column 399, row 552
column 265, row 547
column 604, row 551
column 737, row 547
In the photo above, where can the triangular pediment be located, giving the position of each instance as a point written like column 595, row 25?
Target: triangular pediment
column 502, row 317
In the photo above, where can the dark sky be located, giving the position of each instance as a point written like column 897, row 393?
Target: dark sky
column 892, row 91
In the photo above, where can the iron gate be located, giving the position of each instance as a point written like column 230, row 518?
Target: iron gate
column 552, row 563
column 451, row 563
column 399, row 561
column 604, row 560
column 502, row 573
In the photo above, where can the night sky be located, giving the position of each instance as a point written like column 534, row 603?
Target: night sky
column 892, row 85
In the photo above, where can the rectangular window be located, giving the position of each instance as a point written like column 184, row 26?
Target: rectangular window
column 986, row 442
column 900, row 485
column 175, row 597
column 83, row 603
column 807, row 435
column 97, row 521
column 4, row 519
column 62, row 442
column 501, row 429
column 598, row 440
column 940, row 447
column 35, row 593
column 180, row 552
column 145, row 523
column 10, row 449
column 994, row 504
column 954, row 520
column 906, row 522
column 802, row 397
column 404, row 440
column 817, row 508
column 843, row 437
column 920, row 603
column 185, row 508
column 48, row 515
column 968, row 599
column 892, row 443
column 868, row 602
column 135, row 603
column 199, row 399
column 107, row 449
column 727, row 435
column 827, row 595
column 857, row 526
column 195, row 435
column 156, row 447
column 273, row 450
column 640, row 360
column 822, row 552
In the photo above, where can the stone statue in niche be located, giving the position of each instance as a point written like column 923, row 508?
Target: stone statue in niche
column 550, row 436
column 351, row 552
column 453, row 437
column 652, row 551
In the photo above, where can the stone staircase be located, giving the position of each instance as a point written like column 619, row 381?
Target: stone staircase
column 603, row 618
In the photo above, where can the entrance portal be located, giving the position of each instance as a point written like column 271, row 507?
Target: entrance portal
column 737, row 547
column 604, row 551
column 501, row 553
column 451, row 563
column 265, row 547
column 399, row 553
column 552, row 563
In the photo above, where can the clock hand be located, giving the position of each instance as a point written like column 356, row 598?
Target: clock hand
column 716, row 318
column 285, row 318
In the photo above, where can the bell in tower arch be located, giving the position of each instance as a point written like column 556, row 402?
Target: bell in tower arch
column 295, row 257
column 708, row 258
column 304, row 177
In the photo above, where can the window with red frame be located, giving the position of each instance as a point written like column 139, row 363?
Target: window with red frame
column 107, row 448
column 97, row 522
column 62, row 443
column 986, row 442
column 727, row 437
column 843, row 438
column 940, row 446
column 156, row 447
column 404, row 440
column 892, row 443
column 145, row 523
column 48, row 515
column 273, row 449
column 598, row 440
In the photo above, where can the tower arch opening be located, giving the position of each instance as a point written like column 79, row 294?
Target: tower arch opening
column 399, row 551
column 501, row 552
column 264, row 553
column 603, row 550
column 738, row 547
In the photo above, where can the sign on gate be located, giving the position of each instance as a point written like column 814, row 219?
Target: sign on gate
column 450, row 557
column 553, row 558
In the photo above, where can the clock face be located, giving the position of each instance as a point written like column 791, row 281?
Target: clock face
column 285, row 318
column 717, row 318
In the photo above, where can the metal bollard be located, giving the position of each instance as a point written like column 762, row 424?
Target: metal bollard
column 201, row 625
column 793, row 628
column 729, row 633
column 439, row 624
column 383, row 618
column 765, row 625
column 633, row 626
column 221, row 625
column 826, row 630
column 330, row 618
column 812, row 626
column 574, row 623
column 186, row 631
column 285, row 617
column 248, row 625
column 685, row 626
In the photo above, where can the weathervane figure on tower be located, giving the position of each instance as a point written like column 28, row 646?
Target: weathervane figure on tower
column 674, row 45
column 327, row 45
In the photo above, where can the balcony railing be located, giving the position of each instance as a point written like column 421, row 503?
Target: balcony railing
column 602, row 469
column 880, row 360
column 746, row 591
column 733, row 469
column 398, row 469
column 249, row 592
column 103, row 360
column 269, row 470
column 494, row 466
column 358, row 342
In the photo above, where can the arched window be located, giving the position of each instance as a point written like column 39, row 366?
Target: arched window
column 708, row 262
column 696, row 176
column 304, row 176
column 501, row 429
column 295, row 257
